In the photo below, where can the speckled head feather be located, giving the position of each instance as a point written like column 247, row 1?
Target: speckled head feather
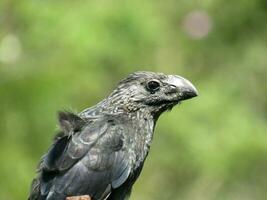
column 137, row 92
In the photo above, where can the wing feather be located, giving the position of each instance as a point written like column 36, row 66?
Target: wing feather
column 91, row 160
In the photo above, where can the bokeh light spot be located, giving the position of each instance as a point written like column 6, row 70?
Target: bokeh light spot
column 10, row 49
column 197, row 24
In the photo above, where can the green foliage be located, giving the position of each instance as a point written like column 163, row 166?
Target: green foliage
column 58, row 55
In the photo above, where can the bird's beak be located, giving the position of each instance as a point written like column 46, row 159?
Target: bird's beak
column 184, row 88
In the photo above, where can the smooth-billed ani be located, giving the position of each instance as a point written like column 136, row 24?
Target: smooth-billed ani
column 101, row 151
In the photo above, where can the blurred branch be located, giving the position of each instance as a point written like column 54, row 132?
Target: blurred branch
column 84, row 197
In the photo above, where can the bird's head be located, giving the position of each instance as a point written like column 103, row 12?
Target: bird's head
column 156, row 92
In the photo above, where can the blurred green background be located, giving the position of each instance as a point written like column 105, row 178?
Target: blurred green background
column 58, row 55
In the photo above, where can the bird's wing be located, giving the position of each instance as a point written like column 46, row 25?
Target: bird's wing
column 91, row 159
column 70, row 125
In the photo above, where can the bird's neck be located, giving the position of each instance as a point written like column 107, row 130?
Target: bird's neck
column 145, row 125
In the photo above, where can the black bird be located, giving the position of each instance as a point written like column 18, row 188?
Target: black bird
column 101, row 151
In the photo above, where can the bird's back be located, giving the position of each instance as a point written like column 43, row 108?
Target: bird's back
column 90, row 159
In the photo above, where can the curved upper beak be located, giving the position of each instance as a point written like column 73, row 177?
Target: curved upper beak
column 184, row 88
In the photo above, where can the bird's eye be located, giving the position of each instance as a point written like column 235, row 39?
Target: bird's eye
column 153, row 86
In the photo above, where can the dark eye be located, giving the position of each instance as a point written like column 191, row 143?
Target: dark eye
column 153, row 86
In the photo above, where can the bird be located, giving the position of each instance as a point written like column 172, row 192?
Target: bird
column 101, row 151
